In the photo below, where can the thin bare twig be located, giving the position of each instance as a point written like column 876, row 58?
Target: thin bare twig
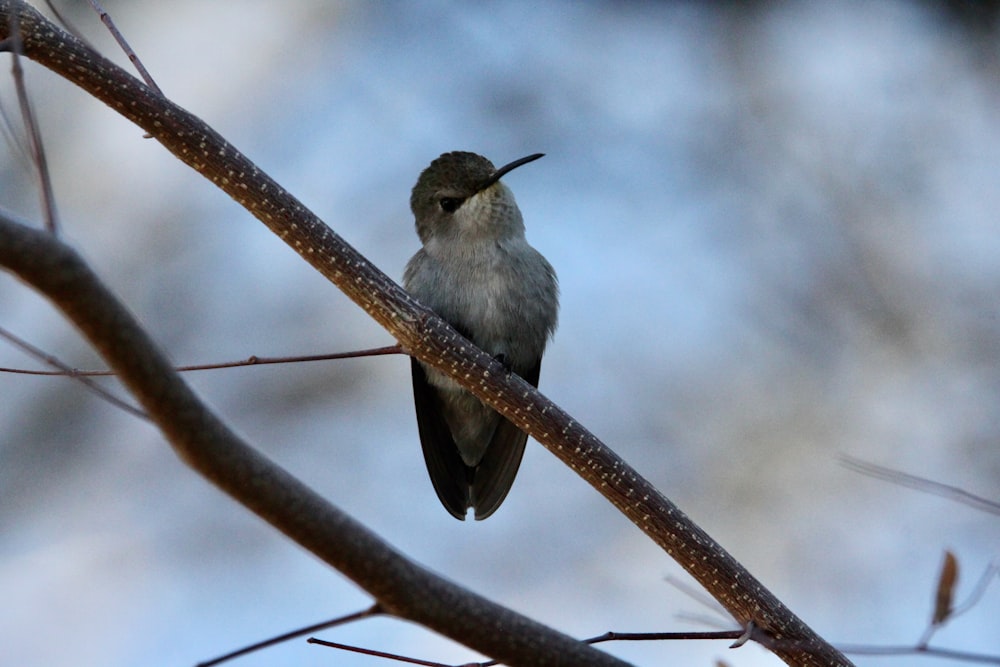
column 374, row 610
column 964, row 656
column 988, row 575
column 698, row 596
column 377, row 654
column 120, row 38
column 664, row 636
column 606, row 637
column 921, row 484
column 252, row 360
column 14, row 44
column 13, row 138
column 51, row 360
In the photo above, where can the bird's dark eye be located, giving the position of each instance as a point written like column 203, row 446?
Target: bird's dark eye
column 450, row 204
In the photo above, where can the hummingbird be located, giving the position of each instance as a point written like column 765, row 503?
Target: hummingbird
column 477, row 271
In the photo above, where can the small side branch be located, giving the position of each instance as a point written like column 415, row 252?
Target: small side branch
column 51, row 360
column 374, row 610
column 252, row 360
column 120, row 38
column 14, row 43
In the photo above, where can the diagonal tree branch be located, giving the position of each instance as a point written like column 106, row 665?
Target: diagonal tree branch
column 420, row 333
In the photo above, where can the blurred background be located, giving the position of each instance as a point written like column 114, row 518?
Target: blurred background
column 775, row 227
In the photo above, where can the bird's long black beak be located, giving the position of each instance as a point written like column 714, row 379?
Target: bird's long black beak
column 507, row 168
